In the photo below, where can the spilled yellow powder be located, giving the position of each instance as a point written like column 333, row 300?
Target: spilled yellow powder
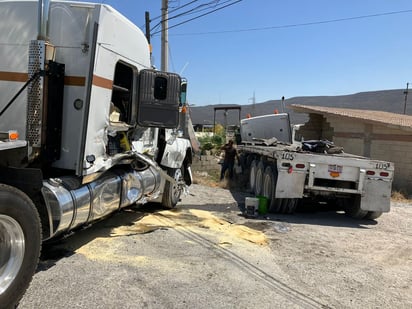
column 227, row 229
column 104, row 249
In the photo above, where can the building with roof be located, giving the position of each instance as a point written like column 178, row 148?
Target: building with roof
column 374, row 134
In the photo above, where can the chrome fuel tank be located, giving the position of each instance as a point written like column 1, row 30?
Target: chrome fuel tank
column 70, row 208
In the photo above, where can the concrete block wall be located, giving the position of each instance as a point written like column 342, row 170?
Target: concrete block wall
column 316, row 128
column 378, row 142
column 311, row 129
column 350, row 137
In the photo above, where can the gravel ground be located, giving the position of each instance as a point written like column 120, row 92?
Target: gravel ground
column 206, row 254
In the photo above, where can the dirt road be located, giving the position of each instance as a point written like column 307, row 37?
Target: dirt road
column 205, row 254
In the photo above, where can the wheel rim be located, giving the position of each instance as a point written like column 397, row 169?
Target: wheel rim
column 177, row 188
column 258, row 180
column 267, row 186
column 11, row 250
column 252, row 175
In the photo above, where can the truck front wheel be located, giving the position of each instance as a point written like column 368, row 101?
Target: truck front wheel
column 172, row 192
column 20, row 243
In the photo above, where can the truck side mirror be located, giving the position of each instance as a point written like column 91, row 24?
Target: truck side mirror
column 158, row 99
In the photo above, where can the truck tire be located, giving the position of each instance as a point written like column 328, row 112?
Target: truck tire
column 259, row 178
column 352, row 208
column 269, row 183
column 269, row 187
column 372, row 215
column 289, row 205
column 278, row 205
column 20, row 235
column 252, row 176
column 172, row 192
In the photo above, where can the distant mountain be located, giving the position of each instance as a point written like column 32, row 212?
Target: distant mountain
column 385, row 100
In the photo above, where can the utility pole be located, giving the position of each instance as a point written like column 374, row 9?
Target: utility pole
column 406, row 98
column 147, row 23
column 165, row 37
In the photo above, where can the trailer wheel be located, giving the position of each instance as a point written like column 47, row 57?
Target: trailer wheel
column 248, row 161
column 20, row 243
column 276, row 205
column 269, row 183
column 352, row 208
column 172, row 192
column 290, row 205
column 259, row 178
column 371, row 215
column 252, row 176
column 269, row 187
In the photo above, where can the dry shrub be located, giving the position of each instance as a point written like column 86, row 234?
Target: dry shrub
column 398, row 196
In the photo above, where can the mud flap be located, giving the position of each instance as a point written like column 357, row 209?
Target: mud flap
column 376, row 196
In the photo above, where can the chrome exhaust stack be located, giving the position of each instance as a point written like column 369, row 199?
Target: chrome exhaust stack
column 43, row 13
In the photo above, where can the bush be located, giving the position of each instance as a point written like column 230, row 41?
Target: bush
column 217, row 140
column 211, row 143
column 207, row 146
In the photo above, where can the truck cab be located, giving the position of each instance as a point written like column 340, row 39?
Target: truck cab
column 87, row 127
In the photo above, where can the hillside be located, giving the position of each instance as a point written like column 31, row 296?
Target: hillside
column 385, row 100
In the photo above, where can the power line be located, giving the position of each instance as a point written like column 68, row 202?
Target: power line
column 199, row 8
column 199, row 16
column 194, row 10
column 176, row 9
column 295, row 25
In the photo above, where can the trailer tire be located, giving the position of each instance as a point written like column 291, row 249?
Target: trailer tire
column 276, row 205
column 252, row 176
column 372, row 215
column 269, row 185
column 259, row 178
column 20, row 234
column 172, row 192
column 285, row 206
column 352, row 208
column 248, row 161
column 290, row 205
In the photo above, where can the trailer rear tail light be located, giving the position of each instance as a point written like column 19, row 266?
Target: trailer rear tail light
column 334, row 174
column 300, row 165
column 370, row 173
column 384, row 174
column 13, row 135
column 290, row 169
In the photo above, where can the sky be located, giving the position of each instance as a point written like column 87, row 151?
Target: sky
column 260, row 50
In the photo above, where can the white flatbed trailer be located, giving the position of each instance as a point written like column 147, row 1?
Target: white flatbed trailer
column 286, row 174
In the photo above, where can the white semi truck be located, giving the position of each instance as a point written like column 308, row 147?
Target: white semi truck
column 286, row 171
column 87, row 127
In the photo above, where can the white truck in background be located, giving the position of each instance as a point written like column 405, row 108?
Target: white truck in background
column 87, row 127
column 286, row 171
